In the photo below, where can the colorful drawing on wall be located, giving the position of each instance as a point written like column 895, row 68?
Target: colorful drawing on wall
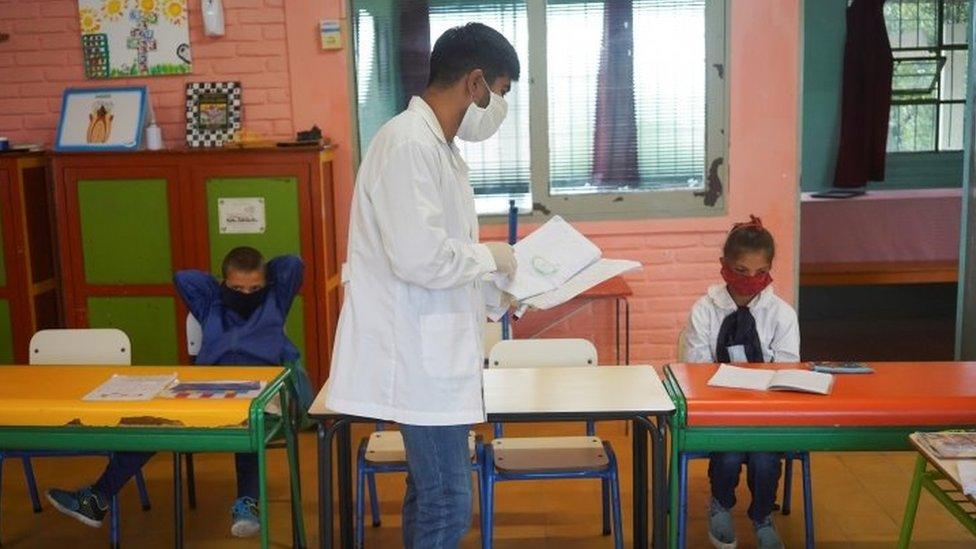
column 124, row 38
column 102, row 119
column 213, row 113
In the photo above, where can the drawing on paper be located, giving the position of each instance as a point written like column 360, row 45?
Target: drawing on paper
column 125, row 38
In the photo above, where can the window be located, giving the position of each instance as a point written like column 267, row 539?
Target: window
column 928, row 97
column 627, row 97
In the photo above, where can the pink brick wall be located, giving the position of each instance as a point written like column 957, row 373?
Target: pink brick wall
column 290, row 83
column 43, row 56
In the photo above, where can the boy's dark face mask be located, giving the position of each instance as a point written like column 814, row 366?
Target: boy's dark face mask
column 241, row 303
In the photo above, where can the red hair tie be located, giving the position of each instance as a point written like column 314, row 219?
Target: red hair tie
column 753, row 222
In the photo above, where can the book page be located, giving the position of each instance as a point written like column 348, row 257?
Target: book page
column 952, row 444
column 735, row 377
column 601, row 271
column 128, row 388
column 547, row 258
column 967, row 476
column 803, row 381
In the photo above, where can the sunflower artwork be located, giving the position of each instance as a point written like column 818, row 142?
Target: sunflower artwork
column 126, row 38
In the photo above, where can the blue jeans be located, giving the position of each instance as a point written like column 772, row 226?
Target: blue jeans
column 124, row 465
column 437, row 505
column 762, row 477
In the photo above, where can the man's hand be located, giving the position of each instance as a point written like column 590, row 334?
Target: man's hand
column 504, row 256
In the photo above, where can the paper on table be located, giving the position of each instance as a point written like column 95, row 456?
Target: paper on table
column 967, row 476
column 126, row 388
column 234, row 389
column 602, row 270
column 742, row 378
column 547, row 258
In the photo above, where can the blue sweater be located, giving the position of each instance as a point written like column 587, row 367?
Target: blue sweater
column 229, row 339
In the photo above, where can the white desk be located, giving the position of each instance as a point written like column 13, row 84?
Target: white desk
column 633, row 393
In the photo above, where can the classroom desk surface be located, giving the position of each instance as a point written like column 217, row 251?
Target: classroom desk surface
column 633, row 393
column 51, row 396
column 897, row 393
column 41, row 408
column 592, row 391
column 863, row 412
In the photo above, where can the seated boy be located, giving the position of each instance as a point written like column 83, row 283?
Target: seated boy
column 243, row 321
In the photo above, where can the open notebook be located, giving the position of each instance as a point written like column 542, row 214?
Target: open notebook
column 760, row 379
column 556, row 263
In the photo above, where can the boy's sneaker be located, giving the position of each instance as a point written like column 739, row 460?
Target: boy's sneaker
column 766, row 535
column 721, row 531
column 244, row 515
column 84, row 505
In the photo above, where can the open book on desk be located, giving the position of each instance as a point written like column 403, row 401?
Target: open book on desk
column 556, row 263
column 761, row 379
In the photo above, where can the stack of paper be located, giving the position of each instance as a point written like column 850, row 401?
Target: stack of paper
column 556, row 263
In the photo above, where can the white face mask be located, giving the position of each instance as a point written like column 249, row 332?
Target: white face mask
column 479, row 123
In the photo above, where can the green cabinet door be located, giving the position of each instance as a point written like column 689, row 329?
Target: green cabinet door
column 280, row 234
column 6, row 335
column 126, row 241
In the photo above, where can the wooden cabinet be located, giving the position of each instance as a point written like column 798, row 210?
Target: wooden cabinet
column 128, row 221
column 28, row 267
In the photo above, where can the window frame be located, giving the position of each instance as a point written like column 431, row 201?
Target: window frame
column 940, row 51
column 660, row 203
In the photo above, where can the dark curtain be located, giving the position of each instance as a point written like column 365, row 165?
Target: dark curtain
column 413, row 20
column 615, row 138
column 866, row 103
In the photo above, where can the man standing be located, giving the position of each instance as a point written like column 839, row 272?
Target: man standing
column 409, row 346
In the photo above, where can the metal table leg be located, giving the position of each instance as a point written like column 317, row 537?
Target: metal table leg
column 324, row 439
column 178, row 499
column 337, row 430
column 659, row 480
column 345, row 485
column 640, row 482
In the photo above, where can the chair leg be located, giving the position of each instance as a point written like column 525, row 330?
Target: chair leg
column 191, row 482
column 488, row 533
column 682, row 499
column 479, row 476
column 374, row 502
column 31, row 484
column 807, row 500
column 143, row 493
column 788, row 484
column 360, row 504
column 618, row 531
column 606, row 505
column 113, row 533
column 1, row 498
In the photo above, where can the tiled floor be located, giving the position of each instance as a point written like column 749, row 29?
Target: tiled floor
column 859, row 499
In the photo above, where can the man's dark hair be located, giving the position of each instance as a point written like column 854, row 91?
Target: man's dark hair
column 749, row 237
column 243, row 259
column 463, row 49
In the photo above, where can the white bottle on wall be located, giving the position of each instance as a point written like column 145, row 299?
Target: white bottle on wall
column 213, row 17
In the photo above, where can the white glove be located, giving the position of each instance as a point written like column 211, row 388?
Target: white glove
column 504, row 256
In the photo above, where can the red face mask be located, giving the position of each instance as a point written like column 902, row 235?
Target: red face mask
column 745, row 285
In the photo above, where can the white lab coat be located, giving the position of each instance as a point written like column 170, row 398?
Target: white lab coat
column 776, row 324
column 409, row 346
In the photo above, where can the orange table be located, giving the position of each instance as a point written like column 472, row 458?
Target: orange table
column 872, row 412
column 615, row 289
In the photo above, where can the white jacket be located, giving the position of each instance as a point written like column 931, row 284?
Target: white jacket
column 776, row 323
column 409, row 346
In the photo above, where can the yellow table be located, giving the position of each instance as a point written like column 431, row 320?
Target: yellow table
column 41, row 408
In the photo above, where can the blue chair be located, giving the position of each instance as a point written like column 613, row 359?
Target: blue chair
column 383, row 452
column 76, row 346
column 786, row 508
column 536, row 458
